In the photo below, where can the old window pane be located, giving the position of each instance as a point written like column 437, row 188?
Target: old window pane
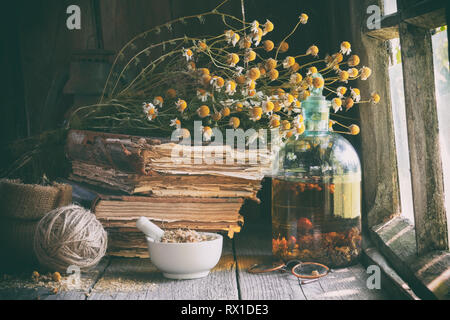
column 442, row 82
column 390, row 6
column 401, row 134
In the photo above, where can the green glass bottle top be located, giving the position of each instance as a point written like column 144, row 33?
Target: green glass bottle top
column 316, row 110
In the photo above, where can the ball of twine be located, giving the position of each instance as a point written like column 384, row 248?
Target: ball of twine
column 67, row 236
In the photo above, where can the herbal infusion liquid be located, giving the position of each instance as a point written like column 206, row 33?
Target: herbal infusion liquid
column 317, row 219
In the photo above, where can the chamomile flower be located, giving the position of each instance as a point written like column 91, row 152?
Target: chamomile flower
column 307, row 82
column 188, row 54
column 349, row 102
column 171, row 93
column 330, row 125
column 229, row 35
column 234, row 122
column 304, row 94
column 158, row 101
column 287, row 134
column 203, row 111
column 295, row 67
column 285, row 125
column 204, row 71
column 298, row 121
column 191, row 66
column 182, row 133
column 207, row 133
column 273, row 74
column 313, row 51
column 216, row 116
column 288, row 99
column 334, row 59
column 217, row 82
column 341, row 91
column 288, row 62
column 284, row 46
column 262, row 70
column 318, row 82
column 277, row 105
column 239, row 71
column 175, row 123
column 255, row 26
column 295, row 78
column 226, row 112
column 291, row 156
column 257, row 36
column 268, row 107
column 202, row 94
column 235, row 39
column 354, row 129
column 146, row 106
column 250, row 55
column 375, row 98
column 365, row 73
column 274, row 121
column 230, row 87
column 356, row 94
column 181, row 105
column 206, row 79
column 353, row 61
column 233, row 59
column 271, row 64
column 353, row 72
column 346, row 47
column 253, row 74
column 343, row 76
column 245, row 43
column 202, row 46
column 299, row 131
column 268, row 45
column 268, row 27
column 150, row 111
column 303, row 18
column 293, row 107
column 239, row 107
column 336, row 104
column 251, row 84
column 255, row 113
column 311, row 70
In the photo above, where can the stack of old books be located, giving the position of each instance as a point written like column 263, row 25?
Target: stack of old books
column 132, row 176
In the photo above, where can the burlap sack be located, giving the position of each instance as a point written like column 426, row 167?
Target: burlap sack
column 16, row 241
column 31, row 202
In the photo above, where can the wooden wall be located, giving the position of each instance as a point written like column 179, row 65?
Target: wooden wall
column 37, row 47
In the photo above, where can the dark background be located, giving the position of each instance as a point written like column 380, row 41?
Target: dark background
column 37, row 50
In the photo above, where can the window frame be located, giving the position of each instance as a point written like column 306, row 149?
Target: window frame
column 419, row 254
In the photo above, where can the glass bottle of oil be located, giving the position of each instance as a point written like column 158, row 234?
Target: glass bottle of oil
column 316, row 193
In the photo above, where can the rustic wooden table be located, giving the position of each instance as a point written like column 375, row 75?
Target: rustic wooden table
column 122, row 278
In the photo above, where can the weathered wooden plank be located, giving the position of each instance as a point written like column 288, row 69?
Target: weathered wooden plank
column 388, row 30
column 428, row 274
column 423, row 139
column 19, row 288
column 427, row 14
column 251, row 249
column 138, row 279
column 391, row 282
column 381, row 199
column 341, row 284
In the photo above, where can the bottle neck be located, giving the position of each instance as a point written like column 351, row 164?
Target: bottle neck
column 316, row 114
